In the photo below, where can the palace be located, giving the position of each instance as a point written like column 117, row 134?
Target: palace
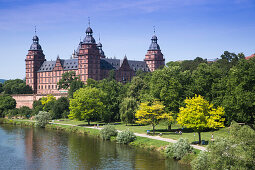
column 88, row 61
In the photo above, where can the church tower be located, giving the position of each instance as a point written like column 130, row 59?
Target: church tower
column 154, row 58
column 34, row 60
column 89, row 58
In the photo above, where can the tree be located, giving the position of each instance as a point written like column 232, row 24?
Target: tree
column 1, row 87
column 151, row 113
column 60, row 108
column 37, row 106
column 42, row 118
column 25, row 111
column 127, row 110
column 48, row 102
column 16, row 86
column 136, row 87
column 74, row 85
column 87, row 104
column 198, row 114
column 6, row 103
column 67, row 79
column 234, row 151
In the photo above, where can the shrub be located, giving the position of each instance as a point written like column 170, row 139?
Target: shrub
column 201, row 161
column 125, row 137
column 179, row 149
column 187, row 158
column 42, row 118
column 108, row 131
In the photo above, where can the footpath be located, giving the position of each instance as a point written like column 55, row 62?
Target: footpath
column 141, row 135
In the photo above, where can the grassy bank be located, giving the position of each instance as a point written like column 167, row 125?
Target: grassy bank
column 161, row 128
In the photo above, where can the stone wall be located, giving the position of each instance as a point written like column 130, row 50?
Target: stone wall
column 28, row 99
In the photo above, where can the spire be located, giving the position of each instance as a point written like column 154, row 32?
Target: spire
column 99, row 46
column 35, row 45
column 89, row 35
column 89, row 21
column 154, row 44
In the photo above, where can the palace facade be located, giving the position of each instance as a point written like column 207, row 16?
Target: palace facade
column 88, row 61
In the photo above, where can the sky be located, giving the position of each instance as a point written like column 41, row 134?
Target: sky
column 186, row 29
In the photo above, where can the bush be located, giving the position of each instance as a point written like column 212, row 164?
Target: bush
column 187, row 158
column 179, row 149
column 125, row 137
column 42, row 118
column 108, row 131
column 201, row 161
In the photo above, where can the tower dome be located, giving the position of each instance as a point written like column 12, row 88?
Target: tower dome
column 35, row 45
column 101, row 52
column 89, row 39
column 154, row 45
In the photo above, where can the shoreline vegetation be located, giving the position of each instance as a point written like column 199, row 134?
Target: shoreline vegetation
column 141, row 142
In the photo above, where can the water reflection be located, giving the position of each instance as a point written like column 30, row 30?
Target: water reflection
column 34, row 148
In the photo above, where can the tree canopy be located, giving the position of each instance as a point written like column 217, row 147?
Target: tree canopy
column 199, row 114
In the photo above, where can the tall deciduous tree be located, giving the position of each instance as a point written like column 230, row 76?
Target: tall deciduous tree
column 87, row 104
column 199, row 114
column 127, row 110
column 16, row 86
column 151, row 113
column 6, row 103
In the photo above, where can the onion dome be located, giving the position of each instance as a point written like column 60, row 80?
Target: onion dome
column 35, row 45
column 154, row 45
column 101, row 52
column 89, row 37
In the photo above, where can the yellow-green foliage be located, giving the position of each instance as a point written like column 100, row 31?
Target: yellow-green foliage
column 199, row 114
column 152, row 113
column 49, row 98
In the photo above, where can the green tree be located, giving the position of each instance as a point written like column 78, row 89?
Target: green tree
column 199, row 114
column 6, row 103
column 37, row 106
column 25, row 111
column 127, row 110
column 42, row 118
column 234, row 151
column 16, row 86
column 48, row 102
column 74, row 85
column 1, row 87
column 67, row 79
column 60, row 108
column 136, row 88
column 87, row 104
column 151, row 113
column 240, row 93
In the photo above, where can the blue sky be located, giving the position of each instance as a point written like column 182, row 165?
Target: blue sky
column 185, row 28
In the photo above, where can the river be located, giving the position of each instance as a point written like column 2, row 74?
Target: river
column 35, row 148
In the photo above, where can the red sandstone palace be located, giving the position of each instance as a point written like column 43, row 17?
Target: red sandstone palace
column 88, row 61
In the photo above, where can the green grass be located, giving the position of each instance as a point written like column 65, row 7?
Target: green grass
column 161, row 128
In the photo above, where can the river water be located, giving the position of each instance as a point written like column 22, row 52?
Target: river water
column 35, row 148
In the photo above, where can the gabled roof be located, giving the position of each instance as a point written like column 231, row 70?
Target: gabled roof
column 69, row 64
column 115, row 64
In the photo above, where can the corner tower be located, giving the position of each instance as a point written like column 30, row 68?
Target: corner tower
column 89, row 58
column 34, row 60
column 154, row 58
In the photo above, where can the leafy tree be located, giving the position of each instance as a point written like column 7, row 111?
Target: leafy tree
column 74, row 85
column 25, row 111
column 67, row 79
column 240, row 93
column 127, row 110
column 235, row 151
column 136, row 87
column 42, row 118
column 1, row 87
column 60, row 108
column 87, row 104
column 48, row 102
column 6, row 103
column 16, row 86
column 37, row 106
column 199, row 114
column 151, row 113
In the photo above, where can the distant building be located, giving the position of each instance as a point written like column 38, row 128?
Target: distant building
column 88, row 61
column 249, row 57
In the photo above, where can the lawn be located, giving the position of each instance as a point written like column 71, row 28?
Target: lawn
column 161, row 128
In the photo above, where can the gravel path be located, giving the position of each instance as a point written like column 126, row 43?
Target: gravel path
column 142, row 135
